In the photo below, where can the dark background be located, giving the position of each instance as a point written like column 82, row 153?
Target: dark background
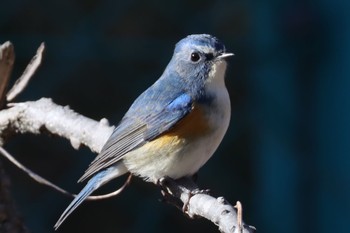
column 286, row 154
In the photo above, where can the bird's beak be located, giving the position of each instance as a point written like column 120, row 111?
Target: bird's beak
column 224, row 55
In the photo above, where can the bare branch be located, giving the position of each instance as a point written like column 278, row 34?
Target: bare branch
column 239, row 209
column 7, row 58
column 36, row 116
column 28, row 73
column 199, row 203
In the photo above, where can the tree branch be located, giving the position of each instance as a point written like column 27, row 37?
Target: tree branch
column 7, row 58
column 44, row 115
column 28, row 73
column 197, row 202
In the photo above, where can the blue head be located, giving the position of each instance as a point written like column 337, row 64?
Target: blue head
column 202, row 43
column 196, row 57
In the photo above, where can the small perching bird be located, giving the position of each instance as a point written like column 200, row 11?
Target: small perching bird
column 174, row 127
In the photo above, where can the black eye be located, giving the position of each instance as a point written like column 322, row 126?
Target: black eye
column 195, row 57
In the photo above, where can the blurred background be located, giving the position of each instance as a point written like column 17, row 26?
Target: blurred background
column 286, row 154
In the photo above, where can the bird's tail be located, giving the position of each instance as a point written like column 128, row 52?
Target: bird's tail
column 94, row 183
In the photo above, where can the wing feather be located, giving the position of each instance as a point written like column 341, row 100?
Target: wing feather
column 134, row 132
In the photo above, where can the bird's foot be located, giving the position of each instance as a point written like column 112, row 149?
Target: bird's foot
column 173, row 191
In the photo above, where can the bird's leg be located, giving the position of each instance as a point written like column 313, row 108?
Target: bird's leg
column 166, row 185
column 163, row 184
column 172, row 190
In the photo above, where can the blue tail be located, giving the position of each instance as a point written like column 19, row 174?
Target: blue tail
column 94, row 183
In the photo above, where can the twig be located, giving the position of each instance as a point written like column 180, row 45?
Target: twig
column 28, row 73
column 239, row 208
column 45, row 182
column 30, row 173
column 7, row 58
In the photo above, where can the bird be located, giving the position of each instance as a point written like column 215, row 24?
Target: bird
column 172, row 128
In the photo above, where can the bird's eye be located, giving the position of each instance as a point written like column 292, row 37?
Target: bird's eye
column 195, row 57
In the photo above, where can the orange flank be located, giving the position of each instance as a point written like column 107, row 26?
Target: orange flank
column 193, row 125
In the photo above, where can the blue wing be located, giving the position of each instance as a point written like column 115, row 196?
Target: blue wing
column 156, row 111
